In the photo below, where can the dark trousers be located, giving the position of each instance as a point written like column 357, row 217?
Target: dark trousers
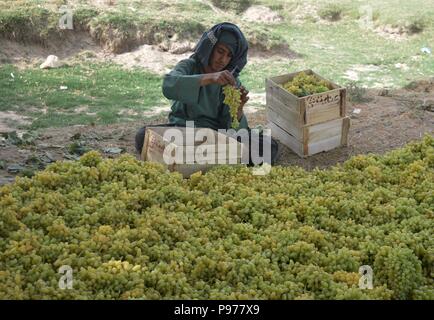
column 140, row 136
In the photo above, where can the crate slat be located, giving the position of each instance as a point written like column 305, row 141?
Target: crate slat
column 325, row 130
column 323, row 107
column 288, row 99
column 324, row 145
column 315, row 138
column 285, row 121
column 286, row 138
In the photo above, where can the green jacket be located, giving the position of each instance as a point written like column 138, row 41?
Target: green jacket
column 203, row 104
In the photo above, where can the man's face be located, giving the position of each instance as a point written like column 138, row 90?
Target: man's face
column 220, row 57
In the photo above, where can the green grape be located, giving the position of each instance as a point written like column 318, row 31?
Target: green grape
column 399, row 269
column 233, row 100
column 304, row 85
column 133, row 230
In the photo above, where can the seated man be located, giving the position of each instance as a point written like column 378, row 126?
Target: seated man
column 195, row 84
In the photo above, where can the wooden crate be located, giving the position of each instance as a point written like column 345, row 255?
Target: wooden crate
column 314, row 138
column 227, row 150
column 300, row 111
column 310, row 124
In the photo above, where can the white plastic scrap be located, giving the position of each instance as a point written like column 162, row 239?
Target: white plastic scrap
column 357, row 111
column 426, row 50
column 51, row 62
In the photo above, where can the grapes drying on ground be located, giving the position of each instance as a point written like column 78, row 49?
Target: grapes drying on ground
column 304, row 84
column 233, row 100
column 132, row 230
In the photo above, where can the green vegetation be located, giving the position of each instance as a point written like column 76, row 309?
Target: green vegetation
column 236, row 6
column 356, row 93
column 331, row 12
column 103, row 89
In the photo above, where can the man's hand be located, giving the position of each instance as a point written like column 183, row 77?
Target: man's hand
column 221, row 78
column 244, row 99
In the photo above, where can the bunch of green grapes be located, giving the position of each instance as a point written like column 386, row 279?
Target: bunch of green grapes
column 304, row 85
column 233, row 100
column 400, row 269
column 133, row 230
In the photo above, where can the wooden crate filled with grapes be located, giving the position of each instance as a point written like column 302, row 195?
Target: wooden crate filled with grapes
column 306, row 112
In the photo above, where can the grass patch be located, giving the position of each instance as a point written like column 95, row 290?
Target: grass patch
column 356, row 93
column 260, row 38
column 236, row 6
column 39, row 25
column 118, row 30
column 29, row 24
column 334, row 50
column 83, row 17
column 414, row 16
column 416, row 25
column 104, row 89
column 331, row 12
column 123, row 32
column 122, row 29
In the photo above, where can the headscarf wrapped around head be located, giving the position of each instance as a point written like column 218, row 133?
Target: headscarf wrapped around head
column 229, row 39
column 229, row 34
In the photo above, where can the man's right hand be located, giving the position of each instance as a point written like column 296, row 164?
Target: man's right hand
column 222, row 78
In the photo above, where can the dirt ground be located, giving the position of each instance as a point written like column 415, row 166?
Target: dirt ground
column 389, row 120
